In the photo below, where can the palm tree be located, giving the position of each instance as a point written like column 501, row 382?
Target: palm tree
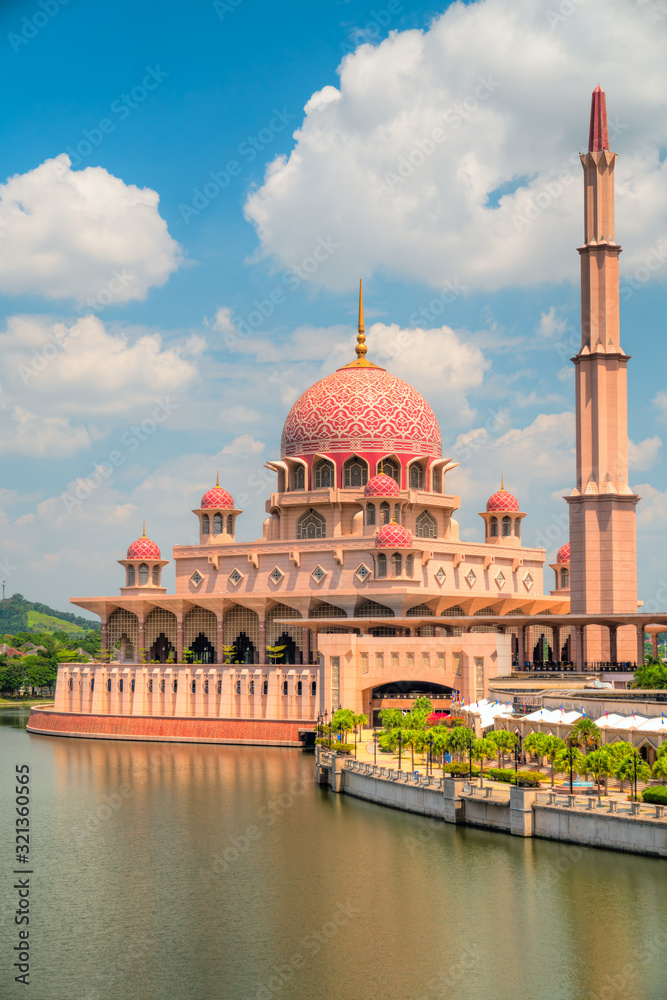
column 660, row 768
column 569, row 758
column 441, row 743
column 599, row 763
column 625, row 768
column 502, row 740
column 537, row 743
column 482, row 750
column 459, row 740
column 585, row 735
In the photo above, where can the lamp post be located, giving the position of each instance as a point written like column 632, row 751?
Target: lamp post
column 375, row 748
column 470, row 739
column 400, row 743
column 326, row 716
column 429, row 759
column 569, row 753
column 355, row 742
column 517, row 754
column 634, row 762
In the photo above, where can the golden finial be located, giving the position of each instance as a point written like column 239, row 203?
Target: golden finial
column 381, row 466
column 144, row 534
column 361, row 361
column 502, row 484
column 361, row 339
column 217, row 477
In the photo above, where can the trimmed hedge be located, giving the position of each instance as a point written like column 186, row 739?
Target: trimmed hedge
column 657, row 795
column 521, row 778
column 459, row 769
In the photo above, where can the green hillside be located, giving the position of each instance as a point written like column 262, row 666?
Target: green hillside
column 19, row 615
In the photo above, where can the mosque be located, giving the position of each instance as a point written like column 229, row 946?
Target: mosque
column 360, row 592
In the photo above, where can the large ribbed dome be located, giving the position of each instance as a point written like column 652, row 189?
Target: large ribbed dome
column 361, row 409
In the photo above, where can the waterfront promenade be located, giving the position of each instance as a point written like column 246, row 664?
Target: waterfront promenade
column 611, row 822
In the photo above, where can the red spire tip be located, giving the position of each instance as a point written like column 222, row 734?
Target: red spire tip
column 598, row 137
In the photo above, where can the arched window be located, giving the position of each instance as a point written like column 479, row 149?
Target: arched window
column 324, row 476
column 156, row 576
column 507, row 526
column 397, row 513
column 311, row 525
column 385, row 512
column 517, row 527
column 285, row 687
column 382, row 564
column 493, row 527
column 416, row 477
column 217, row 524
column 397, row 564
column 355, row 473
column 565, row 577
column 370, row 513
column 130, row 576
column 299, row 478
column 143, row 574
column 205, row 524
column 426, row 525
column 230, row 524
column 390, row 468
column 437, row 479
column 299, row 688
column 409, row 564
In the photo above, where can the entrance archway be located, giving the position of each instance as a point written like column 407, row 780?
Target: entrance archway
column 403, row 694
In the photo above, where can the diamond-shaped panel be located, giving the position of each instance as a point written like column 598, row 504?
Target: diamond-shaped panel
column 318, row 574
column 196, row 578
column 500, row 579
column 470, row 577
column 276, row 574
column 528, row 580
column 363, row 571
column 235, row 577
column 441, row 576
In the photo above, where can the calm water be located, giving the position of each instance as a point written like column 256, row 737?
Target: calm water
column 224, row 873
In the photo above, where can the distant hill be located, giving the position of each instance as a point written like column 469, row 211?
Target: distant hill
column 19, row 615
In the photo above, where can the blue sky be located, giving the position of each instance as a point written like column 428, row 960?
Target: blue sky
column 429, row 148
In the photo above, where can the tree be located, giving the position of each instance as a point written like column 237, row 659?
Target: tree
column 660, row 768
column 391, row 718
column 459, row 740
column 411, row 738
column 275, row 653
column 502, row 740
column 555, row 745
column 343, row 720
column 626, row 767
column 585, row 735
column 600, row 763
column 536, row 743
column 12, row 676
column 568, row 759
column 483, row 749
column 651, row 675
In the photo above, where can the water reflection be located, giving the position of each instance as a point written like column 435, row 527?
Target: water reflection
column 193, row 871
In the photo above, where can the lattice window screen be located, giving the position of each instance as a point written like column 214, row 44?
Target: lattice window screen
column 158, row 621
column 122, row 621
column 479, row 677
column 327, row 611
column 241, row 620
column 335, row 682
column 200, row 620
column 273, row 631
column 371, row 609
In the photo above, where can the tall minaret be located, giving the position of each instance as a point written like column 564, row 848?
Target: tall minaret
column 603, row 545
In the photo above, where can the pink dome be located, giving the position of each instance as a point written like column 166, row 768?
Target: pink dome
column 382, row 486
column 502, row 500
column 218, row 498
column 361, row 409
column 393, row 536
column 143, row 548
column 563, row 553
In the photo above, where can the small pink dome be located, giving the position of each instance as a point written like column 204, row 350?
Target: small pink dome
column 393, row 536
column 563, row 553
column 218, row 498
column 143, row 548
column 382, row 486
column 502, row 500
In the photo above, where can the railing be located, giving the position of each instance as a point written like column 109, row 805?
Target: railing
column 550, row 666
column 393, row 774
column 384, row 696
column 617, row 807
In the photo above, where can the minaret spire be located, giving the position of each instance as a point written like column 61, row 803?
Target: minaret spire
column 217, row 477
column 361, row 361
column 598, row 137
column 144, row 531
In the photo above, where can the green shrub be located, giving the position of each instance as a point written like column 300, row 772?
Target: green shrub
column 345, row 748
column 656, row 795
column 509, row 775
column 459, row 769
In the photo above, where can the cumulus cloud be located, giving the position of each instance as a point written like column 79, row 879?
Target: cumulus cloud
column 64, row 385
column 453, row 152
column 82, row 234
column 643, row 455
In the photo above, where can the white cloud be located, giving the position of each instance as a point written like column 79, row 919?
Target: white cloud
column 643, row 455
column 64, row 385
column 652, row 509
column 82, row 234
column 550, row 323
column 498, row 201
column 243, row 446
column 223, row 321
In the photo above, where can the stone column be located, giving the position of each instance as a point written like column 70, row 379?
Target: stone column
column 182, row 691
column 141, row 638
column 654, row 645
column 613, row 645
column 105, row 638
column 305, row 641
column 99, row 691
column 522, row 647
column 179, row 638
column 219, row 653
column 262, row 640
column 640, row 644
column 529, row 643
column 557, row 631
column 577, row 640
